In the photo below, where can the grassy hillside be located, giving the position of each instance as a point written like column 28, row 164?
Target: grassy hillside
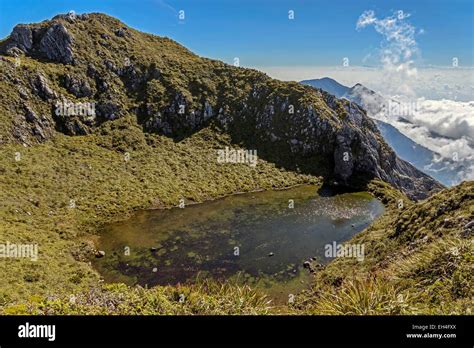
column 139, row 70
column 418, row 261
column 165, row 89
column 61, row 178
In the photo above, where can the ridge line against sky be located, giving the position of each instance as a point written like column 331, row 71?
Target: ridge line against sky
column 264, row 33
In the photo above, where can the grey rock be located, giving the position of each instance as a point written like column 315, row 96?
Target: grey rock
column 53, row 42
column 108, row 111
column 121, row 32
column 32, row 124
column 70, row 16
column 73, row 126
column 207, row 111
column 468, row 230
column 41, row 88
column 100, row 253
column 23, row 93
column 38, row 131
column 22, row 38
column 79, row 88
column 448, row 223
column 56, row 44
column 13, row 52
column 469, row 225
column 30, row 115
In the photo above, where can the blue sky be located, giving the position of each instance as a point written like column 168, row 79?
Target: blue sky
column 260, row 33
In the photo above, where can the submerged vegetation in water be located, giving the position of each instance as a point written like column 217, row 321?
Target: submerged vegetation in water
column 398, row 275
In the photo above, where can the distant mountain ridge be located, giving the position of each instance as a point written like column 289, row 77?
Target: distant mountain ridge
column 365, row 97
column 421, row 157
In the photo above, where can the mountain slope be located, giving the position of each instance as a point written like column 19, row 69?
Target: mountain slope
column 418, row 260
column 443, row 170
column 168, row 90
column 370, row 101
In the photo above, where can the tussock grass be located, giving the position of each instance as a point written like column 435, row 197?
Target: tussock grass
column 203, row 298
column 36, row 192
column 362, row 296
column 418, row 258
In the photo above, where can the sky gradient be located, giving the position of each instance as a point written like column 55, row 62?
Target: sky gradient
column 260, row 33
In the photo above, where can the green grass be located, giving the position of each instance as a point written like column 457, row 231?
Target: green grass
column 366, row 296
column 399, row 275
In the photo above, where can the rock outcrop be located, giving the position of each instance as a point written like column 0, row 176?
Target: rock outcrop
column 52, row 42
column 56, row 44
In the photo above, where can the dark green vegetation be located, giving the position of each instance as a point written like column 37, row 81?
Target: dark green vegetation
column 157, row 85
column 63, row 177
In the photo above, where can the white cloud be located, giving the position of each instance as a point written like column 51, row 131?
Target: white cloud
column 446, row 147
column 450, row 118
column 367, row 18
column 398, row 49
column 443, row 126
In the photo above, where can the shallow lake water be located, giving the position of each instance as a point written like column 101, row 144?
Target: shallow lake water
column 253, row 238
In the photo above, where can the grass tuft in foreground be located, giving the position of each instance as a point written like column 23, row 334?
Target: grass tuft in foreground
column 204, row 298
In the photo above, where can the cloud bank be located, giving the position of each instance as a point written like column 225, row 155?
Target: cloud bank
column 443, row 126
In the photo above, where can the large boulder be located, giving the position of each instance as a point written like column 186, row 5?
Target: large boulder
column 56, row 44
column 40, row 88
column 22, row 37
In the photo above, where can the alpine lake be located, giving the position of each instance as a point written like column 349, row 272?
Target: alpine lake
column 260, row 239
